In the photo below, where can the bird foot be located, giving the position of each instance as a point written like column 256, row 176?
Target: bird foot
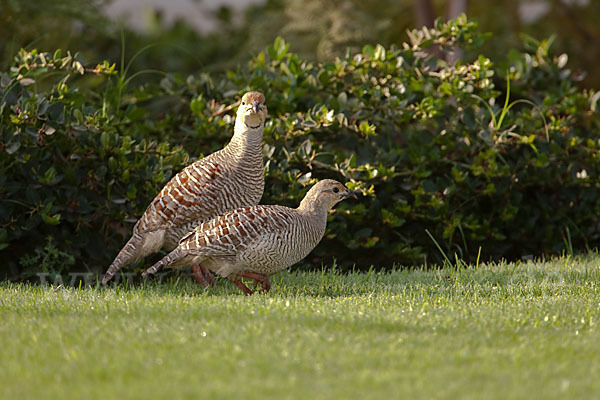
column 203, row 276
column 247, row 291
column 263, row 279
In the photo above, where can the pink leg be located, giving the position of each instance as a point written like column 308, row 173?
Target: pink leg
column 208, row 275
column 203, row 275
column 263, row 279
column 244, row 288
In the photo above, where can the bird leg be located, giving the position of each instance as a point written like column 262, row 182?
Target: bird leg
column 209, row 276
column 203, row 275
column 263, row 279
column 244, row 288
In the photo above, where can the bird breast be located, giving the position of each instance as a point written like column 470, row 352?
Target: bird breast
column 239, row 183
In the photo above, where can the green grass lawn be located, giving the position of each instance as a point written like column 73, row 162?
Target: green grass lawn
column 504, row 331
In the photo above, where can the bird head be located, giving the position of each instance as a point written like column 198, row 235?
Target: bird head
column 252, row 112
column 326, row 194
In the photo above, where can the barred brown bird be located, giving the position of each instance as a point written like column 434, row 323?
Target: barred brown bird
column 258, row 241
column 225, row 180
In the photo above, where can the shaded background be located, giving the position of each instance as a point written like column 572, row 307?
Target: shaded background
column 212, row 35
column 424, row 144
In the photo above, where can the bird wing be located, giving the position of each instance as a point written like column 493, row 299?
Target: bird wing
column 233, row 232
column 189, row 195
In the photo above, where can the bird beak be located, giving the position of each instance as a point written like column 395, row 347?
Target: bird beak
column 352, row 193
column 255, row 106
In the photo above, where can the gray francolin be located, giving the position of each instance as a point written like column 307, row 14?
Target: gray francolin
column 230, row 178
column 257, row 241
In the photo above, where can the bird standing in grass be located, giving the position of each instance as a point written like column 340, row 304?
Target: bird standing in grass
column 230, row 178
column 258, row 241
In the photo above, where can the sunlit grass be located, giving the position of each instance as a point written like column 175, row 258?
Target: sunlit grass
column 526, row 330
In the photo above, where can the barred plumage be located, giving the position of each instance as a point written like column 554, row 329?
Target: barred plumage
column 227, row 179
column 258, row 241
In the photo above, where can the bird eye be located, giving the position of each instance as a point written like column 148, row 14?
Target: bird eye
column 336, row 190
column 243, row 103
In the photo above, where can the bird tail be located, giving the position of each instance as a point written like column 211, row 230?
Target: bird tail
column 129, row 253
column 170, row 258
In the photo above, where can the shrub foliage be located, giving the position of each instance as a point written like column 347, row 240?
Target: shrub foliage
column 477, row 159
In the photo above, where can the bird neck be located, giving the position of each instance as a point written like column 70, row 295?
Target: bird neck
column 315, row 221
column 246, row 138
column 314, row 208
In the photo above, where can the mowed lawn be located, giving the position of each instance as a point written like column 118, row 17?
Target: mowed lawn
column 501, row 331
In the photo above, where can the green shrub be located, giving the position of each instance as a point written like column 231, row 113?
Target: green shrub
column 427, row 142
column 434, row 147
column 67, row 170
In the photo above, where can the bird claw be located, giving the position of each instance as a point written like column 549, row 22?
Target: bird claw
column 263, row 279
column 244, row 288
column 257, row 278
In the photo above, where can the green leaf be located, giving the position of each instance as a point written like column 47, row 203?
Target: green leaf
column 78, row 115
column 42, row 107
column 278, row 49
column 197, row 105
column 49, row 176
column 55, row 112
column 47, row 218
column 105, row 140
column 366, row 128
column 368, row 50
column 13, row 147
